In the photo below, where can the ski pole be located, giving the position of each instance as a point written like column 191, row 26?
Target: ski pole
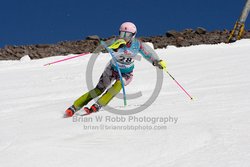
column 119, row 71
column 83, row 54
column 191, row 98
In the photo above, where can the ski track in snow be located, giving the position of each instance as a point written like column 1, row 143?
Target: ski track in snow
column 212, row 130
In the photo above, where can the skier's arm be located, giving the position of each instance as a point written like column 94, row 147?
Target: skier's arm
column 117, row 44
column 149, row 54
column 112, row 43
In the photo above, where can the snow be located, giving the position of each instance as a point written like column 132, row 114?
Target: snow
column 25, row 58
column 212, row 130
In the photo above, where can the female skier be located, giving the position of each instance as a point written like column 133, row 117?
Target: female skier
column 125, row 49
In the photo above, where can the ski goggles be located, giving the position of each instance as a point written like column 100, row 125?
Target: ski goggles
column 125, row 34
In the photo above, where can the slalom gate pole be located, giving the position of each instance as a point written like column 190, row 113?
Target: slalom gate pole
column 58, row 61
column 118, row 69
column 191, row 98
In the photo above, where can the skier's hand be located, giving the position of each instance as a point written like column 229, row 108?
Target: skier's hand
column 118, row 44
column 160, row 64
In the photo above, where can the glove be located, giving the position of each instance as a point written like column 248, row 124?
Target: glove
column 161, row 64
column 118, row 44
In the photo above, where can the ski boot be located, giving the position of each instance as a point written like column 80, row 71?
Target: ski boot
column 93, row 108
column 70, row 111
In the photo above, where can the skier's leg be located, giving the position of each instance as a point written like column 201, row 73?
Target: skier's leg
column 83, row 100
column 86, row 98
column 111, row 93
column 105, row 98
column 104, row 81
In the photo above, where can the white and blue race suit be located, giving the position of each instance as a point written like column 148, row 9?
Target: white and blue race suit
column 125, row 56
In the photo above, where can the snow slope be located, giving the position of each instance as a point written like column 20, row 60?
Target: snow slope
column 213, row 130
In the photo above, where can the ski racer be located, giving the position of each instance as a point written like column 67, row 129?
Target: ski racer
column 125, row 48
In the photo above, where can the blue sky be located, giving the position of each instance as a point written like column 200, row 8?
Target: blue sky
column 26, row 22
